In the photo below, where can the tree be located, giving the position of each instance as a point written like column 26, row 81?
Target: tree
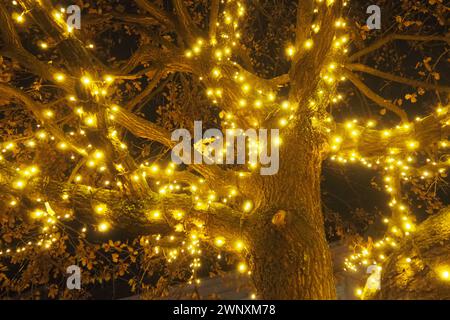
column 96, row 164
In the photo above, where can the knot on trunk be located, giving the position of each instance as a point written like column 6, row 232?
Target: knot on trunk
column 279, row 218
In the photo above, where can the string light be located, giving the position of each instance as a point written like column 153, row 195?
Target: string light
column 104, row 226
column 242, row 267
column 59, row 77
column 308, row 44
column 220, row 48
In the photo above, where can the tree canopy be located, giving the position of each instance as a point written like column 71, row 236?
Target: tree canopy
column 86, row 175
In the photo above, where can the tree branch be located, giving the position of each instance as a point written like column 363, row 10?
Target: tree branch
column 213, row 17
column 375, row 97
column 306, row 66
column 38, row 111
column 126, row 214
column 216, row 177
column 381, row 42
column 160, row 15
column 147, row 91
column 74, row 52
column 371, row 143
column 13, row 49
column 388, row 76
column 305, row 14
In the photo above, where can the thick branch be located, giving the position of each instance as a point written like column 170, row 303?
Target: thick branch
column 140, row 127
column 305, row 14
column 126, row 214
column 75, row 53
column 370, row 143
column 388, row 76
column 190, row 30
column 378, row 44
column 213, row 17
column 146, row 92
column 421, row 276
column 38, row 111
column 306, row 66
column 375, row 97
column 160, row 15
column 143, row 128
column 13, row 49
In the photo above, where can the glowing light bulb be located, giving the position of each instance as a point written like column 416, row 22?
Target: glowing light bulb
column 308, row 44
column 178, row 214
column 216, row 72
column 239, row 245
column 247, row 206
column 19, row 17
column 49, row 114
column 109, row 79
column 98, row 154
column 19, row 184
column 282, row 122
column 59, row 77
column 37, row 214
column 242, row 267
column 103, row 226
column 156, row 214
column 101, row 208
column 86, row 80
column 62, row 145
column 219, row 241
column 290, row 51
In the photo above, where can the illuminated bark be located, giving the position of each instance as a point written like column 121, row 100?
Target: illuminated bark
column 419, row 268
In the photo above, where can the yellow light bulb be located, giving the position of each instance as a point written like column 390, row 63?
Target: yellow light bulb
column 216, row 72
column 156, row 214
column 242, row 267
column 19, row 17
column 283, row 122
column 109, row 79
column 62, row 145
column 98, row 154
column 290, row 51
column 285, row 105
column 37, row 214
column 247, row 206
column 19, row 184
column 239, row 245
column 101, row 208
column 86, row 80
column 59, row 77
column 308, row 44
column 103, row 226
column 219, row 241
column 49, row 114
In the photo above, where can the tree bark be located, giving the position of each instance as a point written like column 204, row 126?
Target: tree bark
column 290, row 257
column 414, row 270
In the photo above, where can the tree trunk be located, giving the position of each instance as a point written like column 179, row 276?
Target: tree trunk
column 416, row 269
column 290, row 257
